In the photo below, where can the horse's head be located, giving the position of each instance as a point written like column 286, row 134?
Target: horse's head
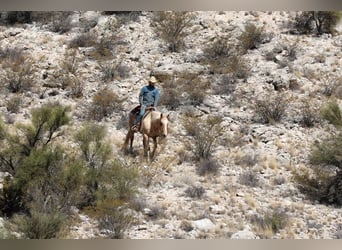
column 164, row 120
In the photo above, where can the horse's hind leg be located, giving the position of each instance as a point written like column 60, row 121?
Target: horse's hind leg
column 129, row 140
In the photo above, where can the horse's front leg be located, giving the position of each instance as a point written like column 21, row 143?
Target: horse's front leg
column 131, row 142
column 155, row 145
column 146, row 143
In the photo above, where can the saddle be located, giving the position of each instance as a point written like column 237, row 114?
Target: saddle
column 136, row 111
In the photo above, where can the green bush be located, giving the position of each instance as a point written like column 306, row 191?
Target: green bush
column 173, row 27
column 41, row 226
column 123, row 182
column 316, row 22
column 95, row 151
column 34, row 165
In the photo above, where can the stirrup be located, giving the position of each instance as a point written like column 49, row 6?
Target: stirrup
column 134, row 128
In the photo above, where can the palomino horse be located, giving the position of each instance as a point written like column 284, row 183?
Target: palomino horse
column 154, row 124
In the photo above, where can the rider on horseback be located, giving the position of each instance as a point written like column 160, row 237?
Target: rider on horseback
column 148, row 97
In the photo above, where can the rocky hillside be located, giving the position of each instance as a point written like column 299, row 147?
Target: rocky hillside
column 250, row 179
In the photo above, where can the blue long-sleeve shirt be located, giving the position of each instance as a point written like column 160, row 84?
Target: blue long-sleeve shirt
column 149, row 96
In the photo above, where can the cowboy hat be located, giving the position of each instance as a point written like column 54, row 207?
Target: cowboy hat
column 152, row 79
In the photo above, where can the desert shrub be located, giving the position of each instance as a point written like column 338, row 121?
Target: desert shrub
column 223, row 58
column 114, row 70
column 273, row 221
column 13, row 104
column 60, row 21
column 314, row 182
column 83, row 40
column 13, row 17
column 19, row 73
column 338, row 233
column 32, row 163
column 332, row 113
column 90, row 139
column 104, row 103
column 249, row 178
column 235, row 66
column 328, row 152
column 226, row 86
column 316, row 22
column 186, row 226
column 219, row 48
column 208, row 166
column 248, row 160
column 123, row 180
column 308, row 116
column 192, row 87
column 40, row 226
column 196, row 192
column 70, row 63
column 238, row 67
column 115, row 220
column 95, row 154
column 251, row 37
column 11, row 55
column 156, row 211
column 270, row 109
column 76, row 88
column 173, row 27
column 203, row 135
column 323, row 181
